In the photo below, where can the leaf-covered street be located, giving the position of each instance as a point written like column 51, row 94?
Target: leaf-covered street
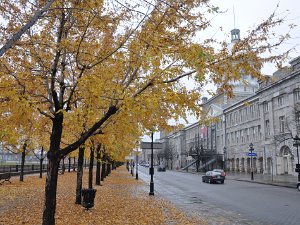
column 120, row 200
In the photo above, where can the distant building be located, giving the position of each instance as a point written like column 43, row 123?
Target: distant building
column 146, row 152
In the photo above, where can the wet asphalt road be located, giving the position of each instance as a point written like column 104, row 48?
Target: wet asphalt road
column 234, row 202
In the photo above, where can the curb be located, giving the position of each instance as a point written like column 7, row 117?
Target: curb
column 249, row 181
column 266, row 183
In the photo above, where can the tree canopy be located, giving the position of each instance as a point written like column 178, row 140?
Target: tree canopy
column 114, row 68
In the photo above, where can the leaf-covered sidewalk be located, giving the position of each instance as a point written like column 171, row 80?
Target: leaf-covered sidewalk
column 120, row 200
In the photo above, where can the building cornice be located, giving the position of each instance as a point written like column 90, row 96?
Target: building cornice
column 292, row 75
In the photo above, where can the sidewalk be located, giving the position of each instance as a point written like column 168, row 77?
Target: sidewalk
column 121, row 200
column 289, row 181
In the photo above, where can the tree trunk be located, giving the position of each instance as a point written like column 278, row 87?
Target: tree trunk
column 41, row 163
column 69, row 169
column 79, row 175
column 63, row 166
column 103, row 171
column 23, row 162
column 41, row 167
column 113, row 165
column 52, row 170
column 197, row 164
column 98, row 177
column 107, row 169
column 91, row 168
column 74, row 165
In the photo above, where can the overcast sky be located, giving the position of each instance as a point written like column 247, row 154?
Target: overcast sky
column 250, row 13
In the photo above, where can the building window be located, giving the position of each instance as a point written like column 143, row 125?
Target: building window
column 280, row 101
column 266, row 107
column 242, row 136
column 252, row 133
column 259, row 132
column 241, row 115
column 297, row 95
column 267, row 126
column 251, row 110
column 297, row 118
column 281, row 124
column 235, row 117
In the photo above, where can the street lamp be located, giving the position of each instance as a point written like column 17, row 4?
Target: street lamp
column 296, row 144
column 131, row 164
column 251, row 149
column 137, row 164
column 224, row 152
column 151, row 169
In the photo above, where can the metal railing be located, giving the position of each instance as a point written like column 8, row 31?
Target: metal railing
column 17, row 168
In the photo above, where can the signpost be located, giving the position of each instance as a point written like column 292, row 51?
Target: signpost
column 251, row 154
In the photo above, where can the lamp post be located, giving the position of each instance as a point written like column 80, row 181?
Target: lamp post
column 296, row 144
column 137, row 164
column 151, row 170
column 131, row 165
column 224, row 152
column 251, row 149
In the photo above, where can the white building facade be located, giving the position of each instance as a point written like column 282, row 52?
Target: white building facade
column 266, row 114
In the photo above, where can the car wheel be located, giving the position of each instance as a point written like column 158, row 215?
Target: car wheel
column 298, row 186
column 222, row 182
column 203, row 180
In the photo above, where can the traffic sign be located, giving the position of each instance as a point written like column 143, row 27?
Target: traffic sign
column 251, row 154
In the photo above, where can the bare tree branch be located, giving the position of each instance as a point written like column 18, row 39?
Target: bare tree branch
column 38, row 15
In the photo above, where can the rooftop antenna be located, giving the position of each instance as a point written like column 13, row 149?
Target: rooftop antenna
column 233, row 18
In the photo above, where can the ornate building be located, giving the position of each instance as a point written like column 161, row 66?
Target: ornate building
column 266, row 114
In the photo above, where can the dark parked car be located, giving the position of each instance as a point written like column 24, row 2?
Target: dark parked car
column 161, row 168
column 213, row 177
column 298, row 186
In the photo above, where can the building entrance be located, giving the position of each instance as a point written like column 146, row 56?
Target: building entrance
column 285, row 156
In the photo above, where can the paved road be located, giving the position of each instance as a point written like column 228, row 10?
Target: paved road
column 235, row 202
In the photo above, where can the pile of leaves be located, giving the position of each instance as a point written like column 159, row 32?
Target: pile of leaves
column 120, row 200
